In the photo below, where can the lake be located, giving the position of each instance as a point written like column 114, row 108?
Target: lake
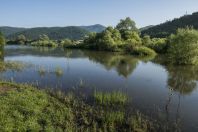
column 167, row 93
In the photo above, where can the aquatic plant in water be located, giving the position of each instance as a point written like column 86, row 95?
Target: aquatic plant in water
column 110, row 98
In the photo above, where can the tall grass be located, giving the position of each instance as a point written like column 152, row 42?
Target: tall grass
column 58, row 71
column 110, row 98
column 42, row 71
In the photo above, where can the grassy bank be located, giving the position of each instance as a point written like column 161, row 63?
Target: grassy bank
column 25, row 108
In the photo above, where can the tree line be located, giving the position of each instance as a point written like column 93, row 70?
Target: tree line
column 180, row 47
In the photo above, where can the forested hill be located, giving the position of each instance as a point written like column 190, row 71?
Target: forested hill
column 55, row 33
column 10, row 30
column 165, row 29
column 71, row 32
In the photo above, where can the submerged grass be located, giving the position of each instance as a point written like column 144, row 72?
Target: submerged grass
column 110, row 98
column 58, row 71
column 12, row 65
column 42, row 71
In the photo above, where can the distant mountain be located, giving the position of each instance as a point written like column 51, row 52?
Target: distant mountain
column 165, row 29
column 94, row 28
column 10, row 30
column 71, row 32
column 53, row 33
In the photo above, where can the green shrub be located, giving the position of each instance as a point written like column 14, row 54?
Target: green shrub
column 132, row 39
column 146, row 40
column 139, row 50
column 67, row 43
column 183, row 48
column 158, row 44
column 2, row 39
column 44, row 43
column 143, row 51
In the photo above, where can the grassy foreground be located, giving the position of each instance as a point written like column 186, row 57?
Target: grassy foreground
column 25, row 108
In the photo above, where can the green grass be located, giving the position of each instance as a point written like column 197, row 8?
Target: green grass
column 110, row 98
column 12, row 65
column 25, row 108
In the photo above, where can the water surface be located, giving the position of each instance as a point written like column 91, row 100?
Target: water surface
column 160, row 91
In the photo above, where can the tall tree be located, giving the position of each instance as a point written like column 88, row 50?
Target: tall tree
column 21, row 39
column 126, row 25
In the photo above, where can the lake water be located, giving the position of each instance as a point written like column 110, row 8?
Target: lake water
column 160, row 91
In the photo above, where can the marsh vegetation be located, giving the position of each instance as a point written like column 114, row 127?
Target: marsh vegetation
column 25, row 108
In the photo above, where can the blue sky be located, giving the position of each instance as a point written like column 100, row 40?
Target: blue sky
column 34, row 13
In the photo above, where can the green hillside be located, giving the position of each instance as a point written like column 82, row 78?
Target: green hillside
column 71, row 32
column 165, row 29
column 10, row 30
column 53, row 33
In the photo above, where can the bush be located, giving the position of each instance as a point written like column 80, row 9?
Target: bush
column 47, row 43
column 132, row 38
column 2, row 39
column 183, row 48
column 67, row 43
column 143, row 51
column 158, row 44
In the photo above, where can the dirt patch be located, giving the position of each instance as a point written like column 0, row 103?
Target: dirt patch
column 4, row 89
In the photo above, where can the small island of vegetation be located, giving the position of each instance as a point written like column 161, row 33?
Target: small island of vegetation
column 180, row 47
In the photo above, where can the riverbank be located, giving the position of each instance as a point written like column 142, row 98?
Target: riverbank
column 26, row 108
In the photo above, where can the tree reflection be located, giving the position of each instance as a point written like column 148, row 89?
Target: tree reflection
column 182, row 79
column 123, row 64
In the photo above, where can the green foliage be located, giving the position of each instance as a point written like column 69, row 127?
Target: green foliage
column 12, row 65
column 124, row 37
column 143, row 51
column 165, row 29
column 54, row 33
column 183, row 47
column 108, row 40
column 146, row 40
column 158, row 44
column 21, row 39
column 132, row 38
column 27, row 109
column 2, row 39
column 44, row 41
column 110, row 98
column 2, row 42
column 67, row 43
column 126, row 25
column 24, row 108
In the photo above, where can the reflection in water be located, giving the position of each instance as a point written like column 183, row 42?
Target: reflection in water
column 124, row 65
column 182, row 79
column 68, row 53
